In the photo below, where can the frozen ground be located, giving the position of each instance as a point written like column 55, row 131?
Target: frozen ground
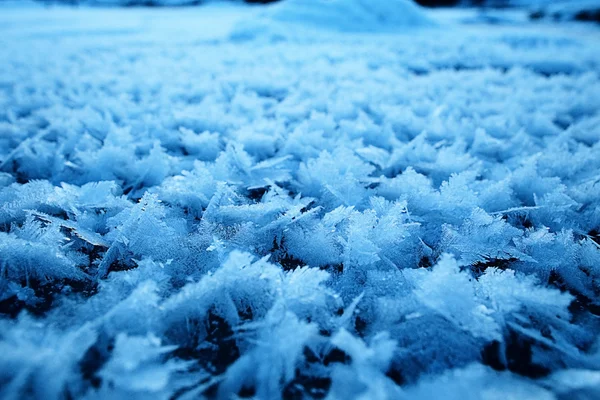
column 223, row 201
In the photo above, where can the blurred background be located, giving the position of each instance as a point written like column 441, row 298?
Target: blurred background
column 555, row 10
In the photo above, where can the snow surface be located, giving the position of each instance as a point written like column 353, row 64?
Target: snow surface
column 337, row 15
column 231, row 201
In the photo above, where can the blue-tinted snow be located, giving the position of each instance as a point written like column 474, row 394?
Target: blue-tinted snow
column 231, row 200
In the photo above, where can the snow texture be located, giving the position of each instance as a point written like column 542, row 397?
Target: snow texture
column 304, row 201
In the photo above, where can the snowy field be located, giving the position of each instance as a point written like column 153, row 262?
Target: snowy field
column 298, row 201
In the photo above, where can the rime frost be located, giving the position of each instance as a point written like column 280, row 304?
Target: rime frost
column 225, row 201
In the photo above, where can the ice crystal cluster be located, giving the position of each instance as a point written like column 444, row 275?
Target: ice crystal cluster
column 404, row 206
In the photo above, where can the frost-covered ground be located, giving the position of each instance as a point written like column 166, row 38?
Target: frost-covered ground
column 224, row 201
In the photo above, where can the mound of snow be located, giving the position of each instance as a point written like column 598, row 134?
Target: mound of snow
column 350, row 15
column 336, row 15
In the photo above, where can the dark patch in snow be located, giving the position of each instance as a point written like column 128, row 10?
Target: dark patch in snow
column 247, row 392
column 217, row 351
column 425, row 262
column 336, row 355
column 582, row 305
column 45, row 295
column 395, row 374
column 492, row 355
column 588, row 15
column 516, row 355
column 594, row 235
column 256, row 194
column 519, row 357
column 360, row 325
column 126, row 263
column 288, row 262
column 95, row 358
column 502, row 264
column 303, row 387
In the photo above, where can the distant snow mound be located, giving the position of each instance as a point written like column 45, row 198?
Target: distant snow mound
column 336, row 15
column 350, row 15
